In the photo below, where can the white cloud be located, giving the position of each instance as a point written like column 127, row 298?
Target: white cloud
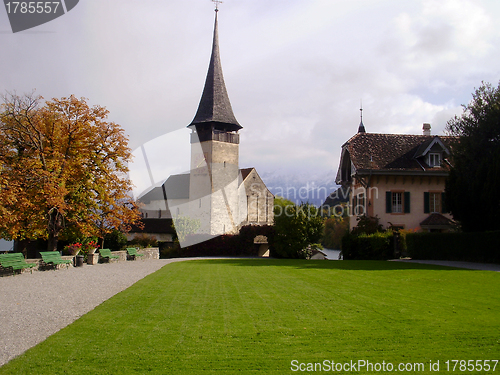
column 295, row 70
column 443, row 33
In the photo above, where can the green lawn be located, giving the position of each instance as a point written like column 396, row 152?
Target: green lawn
column 257, row 316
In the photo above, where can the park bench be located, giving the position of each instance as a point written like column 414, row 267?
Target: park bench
column 106, row 253
column 15, row 261
column 132, row 253
column 53, row 258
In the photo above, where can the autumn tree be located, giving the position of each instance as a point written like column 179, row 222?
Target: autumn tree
column 474, row 181
column 63, row 170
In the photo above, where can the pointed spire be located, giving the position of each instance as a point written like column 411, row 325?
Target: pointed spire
column 361, row 128
column 215, row 108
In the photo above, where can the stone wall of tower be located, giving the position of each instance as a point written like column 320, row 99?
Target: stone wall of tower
column 214, row 185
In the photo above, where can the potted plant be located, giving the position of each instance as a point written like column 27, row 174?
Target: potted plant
column 74, row 249
column 81, row 250
column 89, row 249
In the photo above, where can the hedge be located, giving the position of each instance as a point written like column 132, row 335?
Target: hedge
column 378, row 246
column 469, row 247
column 241, row 244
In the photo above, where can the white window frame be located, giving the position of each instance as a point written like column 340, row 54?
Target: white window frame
column 434, row 159
column 434, row 202
column 397, row 202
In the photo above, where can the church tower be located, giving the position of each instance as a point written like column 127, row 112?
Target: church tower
column 214, row 173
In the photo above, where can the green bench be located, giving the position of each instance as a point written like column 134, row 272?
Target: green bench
column 53, row 258
column 15, row 261
column 106, row 253
column 132, row 253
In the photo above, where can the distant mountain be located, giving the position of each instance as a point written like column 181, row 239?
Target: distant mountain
column 341, row 195
column 300, row 188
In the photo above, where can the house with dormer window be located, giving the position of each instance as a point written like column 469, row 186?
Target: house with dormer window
column 398, row 178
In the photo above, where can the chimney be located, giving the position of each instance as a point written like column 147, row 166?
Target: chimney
column 427, row 129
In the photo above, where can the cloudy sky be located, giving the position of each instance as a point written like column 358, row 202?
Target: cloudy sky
column 295, row 70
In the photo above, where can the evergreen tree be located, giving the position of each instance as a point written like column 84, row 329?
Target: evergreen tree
column 473, row 186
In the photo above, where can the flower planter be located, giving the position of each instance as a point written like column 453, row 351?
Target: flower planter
column 92, row 258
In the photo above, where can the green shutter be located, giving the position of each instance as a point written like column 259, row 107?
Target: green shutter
column 388, row 202
column 444, row 210
column 426, row 203
column 406, row 203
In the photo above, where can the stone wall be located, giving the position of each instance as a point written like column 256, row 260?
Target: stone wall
column 39, row 266
column 149, row 253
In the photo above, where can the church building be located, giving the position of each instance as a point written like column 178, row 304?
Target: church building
column 215, row 197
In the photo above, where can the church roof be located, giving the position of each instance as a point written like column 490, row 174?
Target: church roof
column 177, row 187
column 215, row 107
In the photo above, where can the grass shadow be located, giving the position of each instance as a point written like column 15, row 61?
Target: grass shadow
column 365, row 265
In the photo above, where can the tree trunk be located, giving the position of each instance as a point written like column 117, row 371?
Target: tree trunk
column 52, row 242
column 55, row 227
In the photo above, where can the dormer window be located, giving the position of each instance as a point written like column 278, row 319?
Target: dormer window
column 434, row 159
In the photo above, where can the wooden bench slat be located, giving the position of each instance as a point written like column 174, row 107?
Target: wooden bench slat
column 53, row 257
column 15, row 261
column 106, row 253
column 132, row 251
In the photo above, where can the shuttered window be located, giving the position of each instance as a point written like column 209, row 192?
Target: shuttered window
column 359, row 204
column 397, row 202
column 434, row 202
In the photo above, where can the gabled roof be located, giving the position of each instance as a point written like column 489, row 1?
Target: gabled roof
column 369, row 152
column 436, row 219
column 429, row 144
column 215, row 108
column 245, row 172
column 177, row 187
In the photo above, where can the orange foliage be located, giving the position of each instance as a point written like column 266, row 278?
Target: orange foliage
column 63, row 167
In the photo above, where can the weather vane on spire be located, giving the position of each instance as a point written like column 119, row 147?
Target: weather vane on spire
column 217, row 2
column 361, row 108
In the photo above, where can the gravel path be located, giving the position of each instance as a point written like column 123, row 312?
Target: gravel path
column 34, row 306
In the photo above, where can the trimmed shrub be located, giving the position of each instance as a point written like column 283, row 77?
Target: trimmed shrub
column 241, row 244
column 377, row 246
column 115, row 240
column 468, row 247
column 144, row 240
column 367, row 225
